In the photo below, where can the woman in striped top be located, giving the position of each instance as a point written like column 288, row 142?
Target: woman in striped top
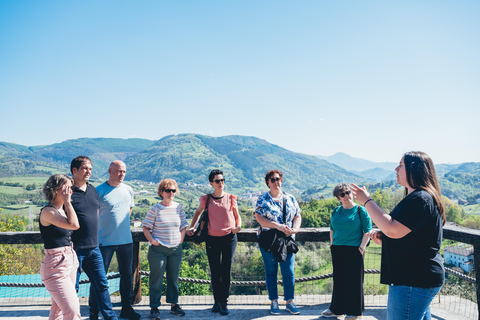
column 164, row 227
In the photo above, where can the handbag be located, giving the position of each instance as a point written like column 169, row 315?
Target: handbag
column 200, row 234
column 268, row 238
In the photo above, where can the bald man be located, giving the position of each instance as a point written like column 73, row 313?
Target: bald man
column 114, row 235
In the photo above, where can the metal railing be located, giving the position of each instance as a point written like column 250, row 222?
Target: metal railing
column 451, row 232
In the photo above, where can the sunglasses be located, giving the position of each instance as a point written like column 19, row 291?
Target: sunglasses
column 273, row 180
column 169, row 190
column 219, row 180
column 345, row 193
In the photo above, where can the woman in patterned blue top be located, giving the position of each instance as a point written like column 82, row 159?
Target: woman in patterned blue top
column 269, row 214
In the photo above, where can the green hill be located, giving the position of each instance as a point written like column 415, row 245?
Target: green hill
column 102, row 151
column 188, row 158
column 244, row 160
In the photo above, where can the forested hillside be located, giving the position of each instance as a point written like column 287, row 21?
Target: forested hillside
column 188, row 158
column 244, row 160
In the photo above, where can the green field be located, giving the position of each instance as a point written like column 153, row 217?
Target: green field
column 472, row 209
column 26, row 180
column 21, row 210
column 12, row 190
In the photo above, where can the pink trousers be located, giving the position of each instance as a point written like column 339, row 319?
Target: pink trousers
column 59, row 273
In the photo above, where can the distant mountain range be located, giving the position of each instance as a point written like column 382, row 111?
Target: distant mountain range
column 188, row 158
column 184, row 157
column 377, row 171
column 368, row 169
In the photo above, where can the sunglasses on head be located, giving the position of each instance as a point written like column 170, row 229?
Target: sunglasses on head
column 219, row 180
column 170, row 190
column 275, row 179
column 345, row 193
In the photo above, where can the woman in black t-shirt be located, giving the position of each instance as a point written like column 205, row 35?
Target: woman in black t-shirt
column 411, row 237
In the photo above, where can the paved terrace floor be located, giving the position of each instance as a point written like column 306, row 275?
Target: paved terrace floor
column 310, row 306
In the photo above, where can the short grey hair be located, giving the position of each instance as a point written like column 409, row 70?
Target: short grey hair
column 339, row 188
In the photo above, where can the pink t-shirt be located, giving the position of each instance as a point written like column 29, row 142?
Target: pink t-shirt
column 221, row 218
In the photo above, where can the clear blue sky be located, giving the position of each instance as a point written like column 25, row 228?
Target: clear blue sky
column 373, row 79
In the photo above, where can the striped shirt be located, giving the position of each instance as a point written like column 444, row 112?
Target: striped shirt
column 166, row 223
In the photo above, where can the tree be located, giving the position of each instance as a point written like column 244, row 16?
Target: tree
column 317, row 213
column 18, row 259
column 472, row 222
column 30, row 187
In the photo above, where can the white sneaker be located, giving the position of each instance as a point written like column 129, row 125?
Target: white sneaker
column 329, row 314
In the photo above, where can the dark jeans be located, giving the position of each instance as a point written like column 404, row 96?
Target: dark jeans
column 90, row 260
column 347, row 296
column 220, row 251
column 125, row 261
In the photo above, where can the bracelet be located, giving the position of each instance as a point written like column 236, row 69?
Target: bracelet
column 367, row 202
column 361, row 249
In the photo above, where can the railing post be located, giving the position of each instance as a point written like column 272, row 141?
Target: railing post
column 476, row 262
column 137, row 279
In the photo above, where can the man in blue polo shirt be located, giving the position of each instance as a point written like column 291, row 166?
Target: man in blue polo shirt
column 85, row 202
column 114, row 234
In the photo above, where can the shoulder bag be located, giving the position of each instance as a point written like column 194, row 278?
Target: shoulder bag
column 201, row 232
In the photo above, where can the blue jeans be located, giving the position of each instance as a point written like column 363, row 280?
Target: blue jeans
column 91, row 261
column 161, row 259
column 125, row 261
column 271, row 271
column 410, row 303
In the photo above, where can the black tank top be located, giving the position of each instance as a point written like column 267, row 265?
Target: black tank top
column 53, row 236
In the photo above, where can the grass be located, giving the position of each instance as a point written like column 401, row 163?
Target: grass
column 26, row 180
column 472, row 209
column 12, row 190
column 20, row 210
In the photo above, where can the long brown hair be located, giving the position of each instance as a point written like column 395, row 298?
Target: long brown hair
column 421, row 175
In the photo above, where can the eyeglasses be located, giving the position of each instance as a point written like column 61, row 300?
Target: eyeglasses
column 219, row 180
column 345, row 193
column 169, row 190
column 273, row 180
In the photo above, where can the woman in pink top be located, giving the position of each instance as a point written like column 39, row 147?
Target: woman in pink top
column 224, row 222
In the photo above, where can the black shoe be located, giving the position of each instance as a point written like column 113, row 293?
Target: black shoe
column 93, row 315
column 223, row 309
column 130, row 314
column 154, row 314
column 216, row 307
column 176, row 309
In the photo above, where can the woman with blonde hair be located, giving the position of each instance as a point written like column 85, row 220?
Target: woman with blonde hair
column 59, row 267
column 411, row 237
column 164, row 227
